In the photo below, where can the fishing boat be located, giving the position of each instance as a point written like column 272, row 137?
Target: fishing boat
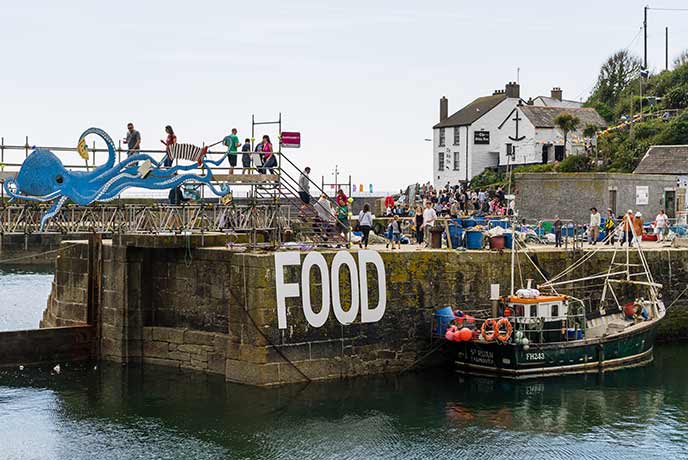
column 544, row 330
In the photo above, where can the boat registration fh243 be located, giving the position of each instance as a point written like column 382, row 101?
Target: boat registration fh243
column 331, row 299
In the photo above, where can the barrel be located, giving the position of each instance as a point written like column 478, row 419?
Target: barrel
column 455, row 233
column 444, row 317
column 474, row 240
column 508, row 240
column 468, row 223
column 497, row 242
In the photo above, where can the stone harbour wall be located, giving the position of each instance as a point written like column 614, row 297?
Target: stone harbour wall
column 215, row 310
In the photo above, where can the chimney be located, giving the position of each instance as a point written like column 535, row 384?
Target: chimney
column 498, row 91
column 556, row 93
column 530, row 101
column 513, row 90
column 444, row 108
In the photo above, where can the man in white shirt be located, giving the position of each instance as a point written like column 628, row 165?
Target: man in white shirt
column 429, row 218
column 661, row 224
column 595, row 222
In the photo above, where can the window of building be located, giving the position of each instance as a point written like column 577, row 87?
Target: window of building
column 533, row 310
column 509, row 149
column 441, row 161
column 441, row 137
column 555, row 310
column 457, row 155
column 456, row 135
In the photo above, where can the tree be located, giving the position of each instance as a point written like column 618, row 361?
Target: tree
column 566, row 122
column 620, row 69
column 681, row 59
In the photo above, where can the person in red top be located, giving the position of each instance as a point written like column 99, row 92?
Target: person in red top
column 171, row 140
column 389, row 202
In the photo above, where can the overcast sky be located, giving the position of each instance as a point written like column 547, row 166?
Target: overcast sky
column 360, row 79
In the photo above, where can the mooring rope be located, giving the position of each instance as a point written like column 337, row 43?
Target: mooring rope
column 255, row 325
column 33, row 256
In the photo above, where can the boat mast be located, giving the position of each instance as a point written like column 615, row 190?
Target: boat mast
column 513, row 253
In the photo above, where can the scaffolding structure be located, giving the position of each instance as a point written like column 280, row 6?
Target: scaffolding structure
column 271, row 213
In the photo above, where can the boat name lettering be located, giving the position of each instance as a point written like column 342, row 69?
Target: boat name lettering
column 482, row 356
column 535, row 356
column 330, row 295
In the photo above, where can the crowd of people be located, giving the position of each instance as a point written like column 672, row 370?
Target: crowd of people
column 451, row 201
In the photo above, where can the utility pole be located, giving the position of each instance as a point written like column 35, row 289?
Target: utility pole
column 645, row 36
column 666, row 48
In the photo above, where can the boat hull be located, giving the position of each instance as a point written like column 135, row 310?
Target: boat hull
column 626, row 349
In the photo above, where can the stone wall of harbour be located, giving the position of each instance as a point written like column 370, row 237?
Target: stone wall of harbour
column 214, row 309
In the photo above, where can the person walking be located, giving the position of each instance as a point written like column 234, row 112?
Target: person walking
column 231, row 141
column 170, row 141
column 365, row 224
column 557, row 231
column 627, row 228
column 396, row 232
column 595, row 222
column 661, row 225
column 133, row 140
column 325, row 214
column 419, row 225
column 246, row 157
column 610, row 228
column 638, row 227
column 342, row 210
column 429, row 218
column 304, row 186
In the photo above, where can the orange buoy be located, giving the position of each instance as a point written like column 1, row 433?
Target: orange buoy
column 457, row 335
column 503, row 335
column 489, row 329
column 465, row 334
column 449, row 335
column 507, row 312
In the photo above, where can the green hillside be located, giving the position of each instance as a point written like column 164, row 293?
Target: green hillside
column 617, row 98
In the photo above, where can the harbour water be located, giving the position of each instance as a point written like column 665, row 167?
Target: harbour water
column 114, row 412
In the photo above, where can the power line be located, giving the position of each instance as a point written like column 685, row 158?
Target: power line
column 667, row 9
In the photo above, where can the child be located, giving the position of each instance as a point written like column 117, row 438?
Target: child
column 246, row 157
column 396, row 232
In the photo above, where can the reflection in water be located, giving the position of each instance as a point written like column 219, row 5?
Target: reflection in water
column 116, row 412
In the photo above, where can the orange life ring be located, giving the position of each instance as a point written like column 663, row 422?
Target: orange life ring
column 503, row 336
column 489, row 334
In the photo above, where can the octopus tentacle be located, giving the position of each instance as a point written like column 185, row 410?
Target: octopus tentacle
column 105, row 167
column 54, row 209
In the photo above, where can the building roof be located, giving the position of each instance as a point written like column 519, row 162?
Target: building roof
column 664, row 159
column 543, row 117
column 552, row 102
column 472, row 111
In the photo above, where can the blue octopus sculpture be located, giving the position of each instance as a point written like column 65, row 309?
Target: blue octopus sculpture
column 43, row 178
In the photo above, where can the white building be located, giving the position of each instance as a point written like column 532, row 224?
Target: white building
column 483, row 134
column 540, row 141
column 466, row 143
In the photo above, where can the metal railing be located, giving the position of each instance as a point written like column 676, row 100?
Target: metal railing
column 132, row 218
